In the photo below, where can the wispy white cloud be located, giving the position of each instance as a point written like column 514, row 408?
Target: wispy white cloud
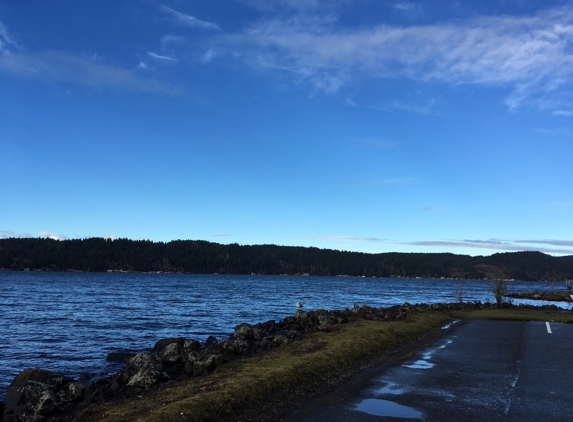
column 529, row 55
column 564, row 113
column 348, row 238
column 432, row 208
column 5, row 234
column 296, row 6
column 63, row 67
column 549, row 242
column 160, row 57
column 53, row 236
column 189, row 20
column 7, row 41
column 404, row 5
column 496, row 245
column 208, row 56
column 109, row 236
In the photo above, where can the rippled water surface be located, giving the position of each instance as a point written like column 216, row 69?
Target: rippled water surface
column 69, row 322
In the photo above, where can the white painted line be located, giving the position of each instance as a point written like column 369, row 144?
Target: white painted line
column 548, row 328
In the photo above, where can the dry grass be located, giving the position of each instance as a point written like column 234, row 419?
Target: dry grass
column 238, row 384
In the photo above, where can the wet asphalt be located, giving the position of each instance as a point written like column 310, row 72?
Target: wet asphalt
column 479, row 371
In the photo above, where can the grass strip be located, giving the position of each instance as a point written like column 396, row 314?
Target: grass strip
column 244, row 382
column 516, row 313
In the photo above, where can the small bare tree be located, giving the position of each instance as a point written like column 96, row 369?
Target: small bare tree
column 499, row 286
column 461, row 292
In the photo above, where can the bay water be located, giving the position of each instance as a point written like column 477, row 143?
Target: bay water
column 69, row 322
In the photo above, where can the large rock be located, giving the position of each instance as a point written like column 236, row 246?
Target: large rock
column 35, row 394
column 121, row 356
column 71, row 392
column 201, row 364
column 244, row 331
column 173, row 354
column 301, row 315
column 142, row 370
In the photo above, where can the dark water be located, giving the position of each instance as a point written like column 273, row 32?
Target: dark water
column 69, row 322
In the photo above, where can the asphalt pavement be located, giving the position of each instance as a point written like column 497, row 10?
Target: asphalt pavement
column 479, row 371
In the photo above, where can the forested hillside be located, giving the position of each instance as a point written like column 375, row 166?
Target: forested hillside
column 190, row 256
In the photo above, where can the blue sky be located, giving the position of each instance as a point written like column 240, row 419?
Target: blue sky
column 364, row 125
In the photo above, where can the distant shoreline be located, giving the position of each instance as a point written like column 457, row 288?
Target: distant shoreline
column 202, row 257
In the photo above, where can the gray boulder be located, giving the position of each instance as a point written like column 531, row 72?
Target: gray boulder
column 142, row 370
column 35, row 394
column 198, row 365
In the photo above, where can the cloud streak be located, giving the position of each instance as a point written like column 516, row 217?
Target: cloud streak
column 496, row 244
column 7, row 41
column 189, row 20
column 63, row 67
column 5, row 234
column 530, row 55
column 160, row 57
column 549, row 242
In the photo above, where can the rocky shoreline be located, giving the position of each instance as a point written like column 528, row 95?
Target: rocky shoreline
column 37, row 395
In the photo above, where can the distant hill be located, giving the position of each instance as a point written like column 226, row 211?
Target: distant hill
column 195, row 256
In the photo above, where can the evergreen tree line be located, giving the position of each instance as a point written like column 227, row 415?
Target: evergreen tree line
column 201, row 257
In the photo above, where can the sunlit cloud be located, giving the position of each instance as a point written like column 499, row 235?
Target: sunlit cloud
column 189, row 20
column 53, row 236
column 63, row 67
column 109, row 236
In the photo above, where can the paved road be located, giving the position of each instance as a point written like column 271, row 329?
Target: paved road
column 480, row 371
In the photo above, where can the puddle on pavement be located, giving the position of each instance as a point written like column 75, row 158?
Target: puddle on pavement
column 420, row 364
column 390, row 388
column 445, row 327
column 443, row 346
column 388, row 408
column 425, row 363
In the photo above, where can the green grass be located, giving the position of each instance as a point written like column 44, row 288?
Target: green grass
column 520, row 314
column 239, row 384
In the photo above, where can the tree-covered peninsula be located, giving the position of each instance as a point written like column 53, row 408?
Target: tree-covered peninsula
column 201, row 257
